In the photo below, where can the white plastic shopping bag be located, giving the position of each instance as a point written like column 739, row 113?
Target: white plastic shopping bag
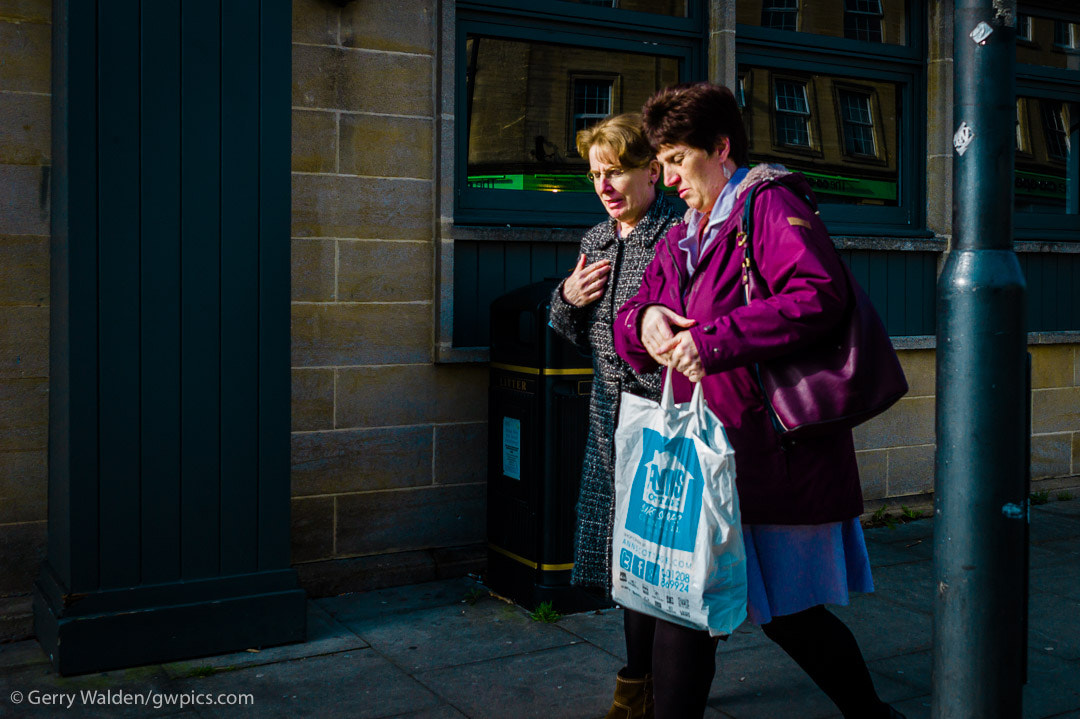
column 678, row 547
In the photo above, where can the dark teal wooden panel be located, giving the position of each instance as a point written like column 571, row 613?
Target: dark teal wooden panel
column 239, row 290
column 486, row 270
column 1053, row 291
column 160, row 291
column 901, row 286
column 466, row 287
column 275, row 208
column 200, row 265
column 118, row 296
column 73, row 541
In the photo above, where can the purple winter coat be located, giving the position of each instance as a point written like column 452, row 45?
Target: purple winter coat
column 811, row 481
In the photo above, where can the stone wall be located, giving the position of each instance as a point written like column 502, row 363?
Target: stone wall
column 389, row 448
column 896, row 449
column 25, row 32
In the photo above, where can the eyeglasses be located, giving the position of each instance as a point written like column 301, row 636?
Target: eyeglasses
column 612, row 173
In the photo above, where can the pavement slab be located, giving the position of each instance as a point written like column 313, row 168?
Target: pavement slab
column 458, row 634
column 868, row 614
column 903, row 533
column 358, row 684
column 602, row 628
column 764, row 683
column 1062, row 579
column 1052, row 625
column 908, row 585
column 324, row 636
column 359, row 606
column 1069, row 508
column 15, row 655
column 569, row 682
column 105, row 695
column 1048, row 525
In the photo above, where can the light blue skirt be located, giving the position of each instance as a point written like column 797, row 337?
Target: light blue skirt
column 790, row 568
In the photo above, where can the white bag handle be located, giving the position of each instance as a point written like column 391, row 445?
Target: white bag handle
column 697, row 400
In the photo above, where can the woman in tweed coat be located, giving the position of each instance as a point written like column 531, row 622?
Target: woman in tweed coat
column 614, row 254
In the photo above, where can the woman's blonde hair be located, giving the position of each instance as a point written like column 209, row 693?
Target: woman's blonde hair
column 622, row 136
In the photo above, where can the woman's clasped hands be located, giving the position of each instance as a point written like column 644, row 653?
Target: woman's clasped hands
column 674, row 349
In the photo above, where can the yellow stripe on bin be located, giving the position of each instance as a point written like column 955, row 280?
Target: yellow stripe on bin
column 536, row 370
column 529, row 563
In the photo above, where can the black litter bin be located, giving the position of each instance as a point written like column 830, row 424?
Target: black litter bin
column 538, row 419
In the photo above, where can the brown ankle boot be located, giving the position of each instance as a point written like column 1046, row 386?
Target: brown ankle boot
column 633, row 699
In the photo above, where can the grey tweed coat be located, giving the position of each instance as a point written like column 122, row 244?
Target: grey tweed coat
column 591, row 327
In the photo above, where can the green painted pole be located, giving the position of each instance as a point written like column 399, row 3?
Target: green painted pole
column 981, row 508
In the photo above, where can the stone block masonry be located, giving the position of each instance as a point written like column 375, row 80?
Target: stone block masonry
column 388, row 448
column 25, row 106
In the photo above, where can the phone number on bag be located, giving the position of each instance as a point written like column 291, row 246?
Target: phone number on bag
column 651, row 573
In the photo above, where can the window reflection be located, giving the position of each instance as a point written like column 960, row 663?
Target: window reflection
column 881, row 21
column 1047, row 165
column 1051, row 39
column 862, row 20
column 841, row 132
column 527, row 100
column 780, row 14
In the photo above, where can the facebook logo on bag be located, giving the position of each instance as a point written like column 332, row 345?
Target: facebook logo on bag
column 665, row 499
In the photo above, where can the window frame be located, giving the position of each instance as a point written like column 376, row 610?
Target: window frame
column 586, row 26
column 850, row 61
column 1053, row 83
column 613, row 81
column 809, row 116
column 847, row 90
column 853, row 14
column 781, row 11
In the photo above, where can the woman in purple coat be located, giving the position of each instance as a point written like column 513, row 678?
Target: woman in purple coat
column 801, row 500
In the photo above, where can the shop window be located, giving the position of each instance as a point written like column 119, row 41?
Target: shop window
column 862, row 20
column 855, row 129
column 529, row 80
column 792, row 113
column 780, row 14
column 1046, row 183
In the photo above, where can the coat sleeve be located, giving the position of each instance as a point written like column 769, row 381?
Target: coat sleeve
column 654, row 287
column 569, row 321
column 795, row 258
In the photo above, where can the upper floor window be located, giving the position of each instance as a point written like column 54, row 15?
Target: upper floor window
column 1056, row 126
column 592, row 102
column 780, row 14
column 1066, row 35
column 858, row 124
column 862, row 20
column 792, row 113
column 1023, row 28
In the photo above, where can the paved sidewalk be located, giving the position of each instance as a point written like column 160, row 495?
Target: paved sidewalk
column 423, row 652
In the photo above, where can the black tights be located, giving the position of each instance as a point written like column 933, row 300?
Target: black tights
column 683, row 661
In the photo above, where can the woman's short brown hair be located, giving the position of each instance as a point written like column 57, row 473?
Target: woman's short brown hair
column 697, row 114
column 621, row 135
